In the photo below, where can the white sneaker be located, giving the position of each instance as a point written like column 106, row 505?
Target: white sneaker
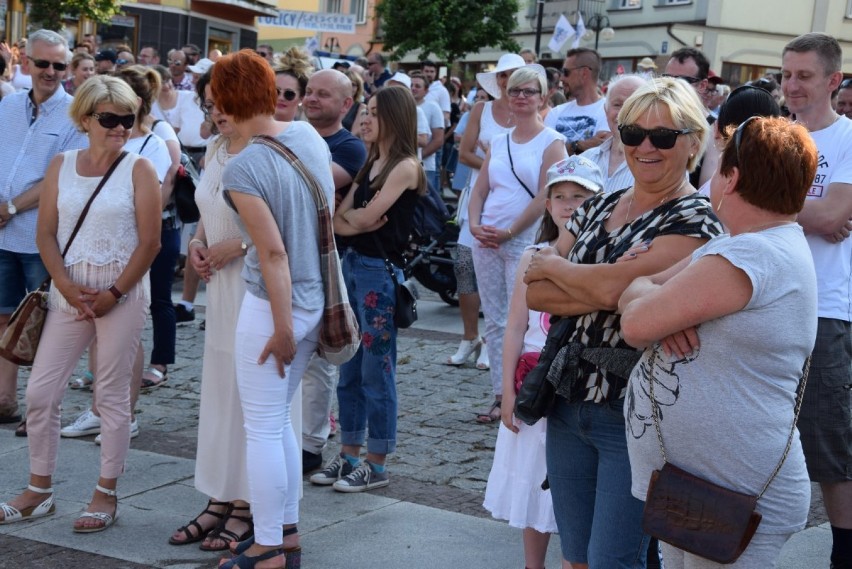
column 86, row 424
column 134, row 432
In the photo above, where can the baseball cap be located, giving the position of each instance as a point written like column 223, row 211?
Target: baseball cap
column 401, row 77
column 576, row 169
column 106, row 55
column 201, row 67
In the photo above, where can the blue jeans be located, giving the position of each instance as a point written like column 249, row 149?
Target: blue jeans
column 20, row 273
column 366, row 392
column 162, row 276
column 599, row 521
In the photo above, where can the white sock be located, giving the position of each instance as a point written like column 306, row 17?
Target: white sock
column 187, row 304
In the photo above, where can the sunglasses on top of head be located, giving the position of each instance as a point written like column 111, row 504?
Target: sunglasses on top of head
column 288, row 94
column 112, row 120
column 44, row 64
column 661, row 138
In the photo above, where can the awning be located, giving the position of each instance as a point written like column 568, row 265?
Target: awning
column 256, row 7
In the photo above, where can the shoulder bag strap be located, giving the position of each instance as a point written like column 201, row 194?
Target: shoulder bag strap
column 800, row 392
column 512, row 164
column 325, row 225
column 144, row 144
column 388, row 264
column 91, row 199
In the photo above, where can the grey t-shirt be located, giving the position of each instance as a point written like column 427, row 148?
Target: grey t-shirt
column 260, row 171
column 726, row 411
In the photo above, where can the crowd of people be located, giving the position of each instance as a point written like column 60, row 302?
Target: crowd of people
column 613, row 213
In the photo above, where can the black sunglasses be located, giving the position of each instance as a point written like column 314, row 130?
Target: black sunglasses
column 288, row 94
column 661, row 138
column 687, row 78
column 44, row 64
column 738, row 136
column 112, row 120
column 515, row 92
column 566, row 71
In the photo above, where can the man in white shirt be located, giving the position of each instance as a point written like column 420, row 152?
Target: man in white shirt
column 435, row 118
column 582, row 121
column 810, row 72
column 437, row 92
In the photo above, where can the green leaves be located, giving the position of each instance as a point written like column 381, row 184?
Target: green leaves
column 49, row 14
column 449, row 29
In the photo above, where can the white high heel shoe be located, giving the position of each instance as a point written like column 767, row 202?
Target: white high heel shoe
column 466, row 348
column 482, row 362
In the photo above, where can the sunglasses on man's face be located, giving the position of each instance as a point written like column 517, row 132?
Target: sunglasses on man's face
column 112, row 120
column 687, row 78
column 661, row 138
column 288, row 94
column 44, row 64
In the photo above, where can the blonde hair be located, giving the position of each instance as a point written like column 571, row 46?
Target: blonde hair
column 683, row 104
column 526, row 74
column 97, row 90
column 297, row 63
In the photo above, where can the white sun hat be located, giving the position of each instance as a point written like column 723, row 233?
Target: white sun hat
column 507, row 62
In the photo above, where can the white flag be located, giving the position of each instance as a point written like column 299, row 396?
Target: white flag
column 581, row 30
column 561, row 34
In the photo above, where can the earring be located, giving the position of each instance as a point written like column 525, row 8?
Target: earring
column 719, row 207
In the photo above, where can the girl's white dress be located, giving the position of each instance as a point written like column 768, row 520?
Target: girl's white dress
column 514, row 489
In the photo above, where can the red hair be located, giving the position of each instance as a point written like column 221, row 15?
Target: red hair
column 243, row 85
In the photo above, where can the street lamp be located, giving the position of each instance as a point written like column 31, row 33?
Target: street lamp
column 599, row 23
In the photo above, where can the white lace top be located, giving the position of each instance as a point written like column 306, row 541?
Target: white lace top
column 108, row 236
column 218, row 219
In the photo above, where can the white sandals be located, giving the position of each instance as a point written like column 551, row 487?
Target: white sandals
column 11, row 514
column 107, row 519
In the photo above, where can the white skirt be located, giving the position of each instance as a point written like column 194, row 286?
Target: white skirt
column 514, row 489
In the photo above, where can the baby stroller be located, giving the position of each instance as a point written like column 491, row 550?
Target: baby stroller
column 430, row 256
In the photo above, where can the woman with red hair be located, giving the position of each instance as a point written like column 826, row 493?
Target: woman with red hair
column 280, row 315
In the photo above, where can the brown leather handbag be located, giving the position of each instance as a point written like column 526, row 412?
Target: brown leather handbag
column 698, row 516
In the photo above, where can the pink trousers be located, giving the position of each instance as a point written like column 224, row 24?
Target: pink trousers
column 63, row 341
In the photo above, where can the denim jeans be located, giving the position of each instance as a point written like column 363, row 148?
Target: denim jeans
column 599, row 521
column 20, row 273
column 366, row 392
column 162, row 276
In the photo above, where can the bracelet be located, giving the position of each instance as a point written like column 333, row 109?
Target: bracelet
column 509, row 231
column 199, row 241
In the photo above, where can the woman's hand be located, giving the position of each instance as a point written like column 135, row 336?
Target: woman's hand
column 635, row 251
column 200, row 262
column 220, row 254
column 682, row 344
column 507, row 412
column 101, row 302
column 489, row 237
column 536, row 271
column 281, row 346
column 79, row 297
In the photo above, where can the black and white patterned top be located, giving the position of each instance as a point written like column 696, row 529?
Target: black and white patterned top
column 690, row 216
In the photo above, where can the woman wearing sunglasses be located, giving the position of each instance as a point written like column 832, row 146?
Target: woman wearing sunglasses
column 99, row 291
column 292, row 71
column 663, row 129
column 725, row 370
column 506, row 204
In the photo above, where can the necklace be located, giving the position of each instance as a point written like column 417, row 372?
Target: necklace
column 769, row 225
column 671, row 194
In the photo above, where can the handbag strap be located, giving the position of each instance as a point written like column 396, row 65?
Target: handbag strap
column 323, row 213
column 388, row 264
column 512, row 164
column 91, row 199
column 800, row 392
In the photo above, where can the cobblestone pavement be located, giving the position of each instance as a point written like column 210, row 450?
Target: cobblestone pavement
column 443, row 456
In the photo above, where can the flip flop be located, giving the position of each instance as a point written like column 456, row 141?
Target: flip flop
column 155, row 378
column 493, row 414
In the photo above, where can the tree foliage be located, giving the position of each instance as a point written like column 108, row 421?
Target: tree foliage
column 50, row 14
column 450, row 29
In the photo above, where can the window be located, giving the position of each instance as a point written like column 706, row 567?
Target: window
column 334, row 6
column 359, row 8
column 631, row 4
column 674, row 2
column 849, row 9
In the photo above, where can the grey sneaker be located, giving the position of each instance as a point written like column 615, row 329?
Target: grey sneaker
column 361, row 479
column 333, row 471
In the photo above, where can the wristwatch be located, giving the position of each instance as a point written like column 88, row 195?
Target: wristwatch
column 244, row 248
column 10, row 207
column 119, row 298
